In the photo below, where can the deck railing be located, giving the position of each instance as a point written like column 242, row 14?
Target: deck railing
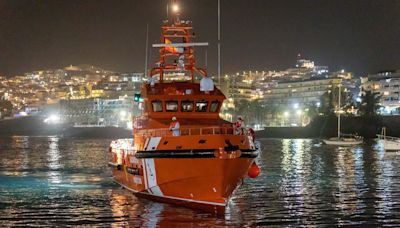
column 161, row 132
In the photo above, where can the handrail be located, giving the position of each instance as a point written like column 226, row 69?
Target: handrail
column 380, row 136
column 161, row 132
column 384, row 136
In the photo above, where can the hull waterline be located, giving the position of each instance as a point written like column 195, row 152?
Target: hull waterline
column 212, row 208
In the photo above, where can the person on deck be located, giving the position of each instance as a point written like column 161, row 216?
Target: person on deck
column 251, row 132
column 175, row 127
column 239, row 126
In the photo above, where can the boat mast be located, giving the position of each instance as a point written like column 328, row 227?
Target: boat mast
column 219, row 43
column 176, row 49
column 339, row 109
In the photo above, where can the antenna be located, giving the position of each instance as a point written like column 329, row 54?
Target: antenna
column 206, row 58
column 147, row 50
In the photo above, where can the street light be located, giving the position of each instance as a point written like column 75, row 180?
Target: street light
column 285, row 116
column 122, row 114
column 299, row 112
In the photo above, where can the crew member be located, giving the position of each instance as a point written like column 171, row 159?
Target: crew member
column 175, row 127
column 251, row 132
column 239, row 126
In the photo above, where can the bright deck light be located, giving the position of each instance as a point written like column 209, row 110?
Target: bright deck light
column 175, row 8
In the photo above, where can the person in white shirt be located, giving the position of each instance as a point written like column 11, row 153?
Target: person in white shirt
column 175, row 127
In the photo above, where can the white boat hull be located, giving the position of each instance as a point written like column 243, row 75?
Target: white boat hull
column 391, row 145
column 341, row 142
column 389, row 142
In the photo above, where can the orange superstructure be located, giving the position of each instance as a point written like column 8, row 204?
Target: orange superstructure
column 202, row 165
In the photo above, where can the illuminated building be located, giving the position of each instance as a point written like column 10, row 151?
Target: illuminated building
column 302, row 92
column 385, row 84
column 98, row 111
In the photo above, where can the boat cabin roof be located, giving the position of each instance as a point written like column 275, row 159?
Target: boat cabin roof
column 177, row 88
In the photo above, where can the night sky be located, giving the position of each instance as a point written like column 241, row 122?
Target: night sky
column 362, row 36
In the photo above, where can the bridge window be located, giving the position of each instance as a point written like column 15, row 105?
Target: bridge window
column 157, row 106
column 214, row 106
column 171, row 106
column 186, row 106
column 201, row 106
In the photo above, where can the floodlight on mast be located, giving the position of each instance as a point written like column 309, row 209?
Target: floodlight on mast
column 175, row 8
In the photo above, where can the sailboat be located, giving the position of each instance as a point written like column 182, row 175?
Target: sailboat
column 389, row 142
column 343, row 139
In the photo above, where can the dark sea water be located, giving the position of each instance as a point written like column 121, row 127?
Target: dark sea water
column 66, row 182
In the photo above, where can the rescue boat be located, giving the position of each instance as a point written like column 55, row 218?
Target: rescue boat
column 205, row 160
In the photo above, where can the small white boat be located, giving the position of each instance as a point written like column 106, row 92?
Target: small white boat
column 343, row 139
column 389, row 143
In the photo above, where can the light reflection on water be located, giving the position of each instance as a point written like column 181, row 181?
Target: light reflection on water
column 57, row 181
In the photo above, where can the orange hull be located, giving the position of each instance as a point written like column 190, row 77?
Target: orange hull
column 199, row 159
column 201, row 183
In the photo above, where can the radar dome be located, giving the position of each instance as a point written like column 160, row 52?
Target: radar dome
column 206, row 84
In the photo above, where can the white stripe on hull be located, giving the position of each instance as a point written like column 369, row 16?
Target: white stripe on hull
column 144, row 173
column 153, row 143
column 146, row 143
column 152, row 178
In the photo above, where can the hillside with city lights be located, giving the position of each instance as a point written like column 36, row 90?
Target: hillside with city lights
column 88, row 96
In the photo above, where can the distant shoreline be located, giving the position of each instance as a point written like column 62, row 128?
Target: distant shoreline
column 321, row 127
column 34, row 126
column 326, row 126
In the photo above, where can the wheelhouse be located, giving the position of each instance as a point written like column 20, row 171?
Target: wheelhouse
column 181, row 99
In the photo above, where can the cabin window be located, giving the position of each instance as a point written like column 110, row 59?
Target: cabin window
column 214, row 106
column 201, row 106
column 186, row 106
column 171, row 106
column 157, row 106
